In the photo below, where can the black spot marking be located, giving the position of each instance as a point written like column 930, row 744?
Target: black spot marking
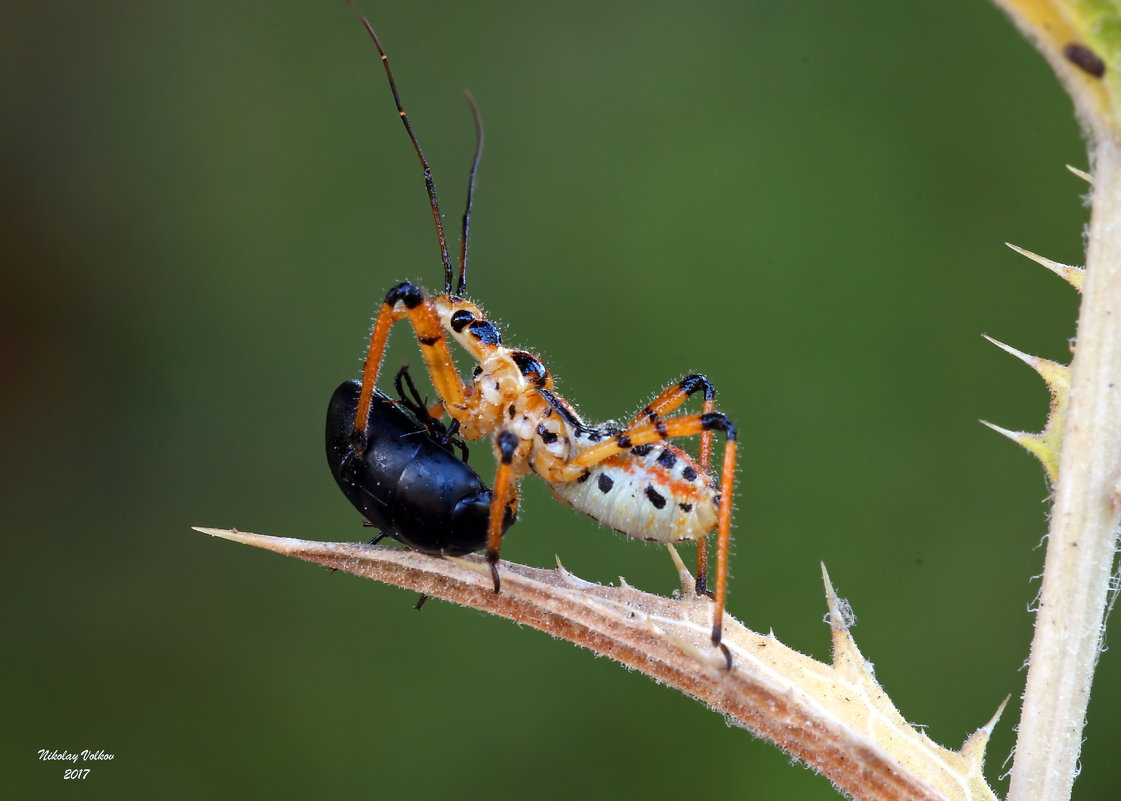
column 649, row 413
column 660, row 427
column 667, row 459
column 689, row 474
column 547, row 436
column 531, row 368
column 477, row 371
column 593, row 435
column 656, row 498
column 605, row 483
column 511, row 411
column 1085, row 59
column 642, row 450
column 570, row 417
column 685, row 507
column 584, row 476
column 485, row 332
column 430, row 341
column 623, row 441
column 460, row 319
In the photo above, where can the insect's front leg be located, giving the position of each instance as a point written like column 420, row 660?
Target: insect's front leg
column 407, row 301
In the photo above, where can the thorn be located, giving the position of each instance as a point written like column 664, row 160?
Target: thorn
column 974, row 747
column 830, row 595
column 246, row 538
column 1038, row 445
column 1069, row 273
column 847, row 659
column 213, row 532
column 688, row 584
column 841, row 617
column 1055, row 375
column 1026, row 358
column 1015, row 436
column 1085, row 176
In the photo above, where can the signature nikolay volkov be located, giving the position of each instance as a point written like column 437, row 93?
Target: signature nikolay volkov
column 49, row 755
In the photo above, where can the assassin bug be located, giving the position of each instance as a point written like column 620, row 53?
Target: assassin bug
column 407, row 482
column 629, row 479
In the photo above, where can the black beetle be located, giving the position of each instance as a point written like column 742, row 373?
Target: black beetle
column 405, row 479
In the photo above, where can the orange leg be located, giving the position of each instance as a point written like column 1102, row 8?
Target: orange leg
column 702, row 544
column 421, row 312
column 670, row 399
column 505, row 498
column 685, row 426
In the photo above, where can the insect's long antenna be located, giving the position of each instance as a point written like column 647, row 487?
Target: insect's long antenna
column 461, row 287
column 423, row 163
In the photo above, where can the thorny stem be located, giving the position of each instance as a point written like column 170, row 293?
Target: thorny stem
column 833, row 717
column 1082, row 540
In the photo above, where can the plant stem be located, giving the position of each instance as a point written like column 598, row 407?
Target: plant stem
column 1084, row 523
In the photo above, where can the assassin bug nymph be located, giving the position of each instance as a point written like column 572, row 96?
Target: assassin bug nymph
column 630, row 479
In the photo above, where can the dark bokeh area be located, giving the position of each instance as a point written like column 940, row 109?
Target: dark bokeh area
column 203, row 205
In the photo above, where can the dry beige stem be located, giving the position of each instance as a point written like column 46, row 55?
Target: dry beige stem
column 835, row 718
column 1081, row 445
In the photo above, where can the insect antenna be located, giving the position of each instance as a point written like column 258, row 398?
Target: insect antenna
column 423, row 163
column 461, row 287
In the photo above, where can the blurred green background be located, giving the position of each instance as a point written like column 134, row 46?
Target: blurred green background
column 203, row 206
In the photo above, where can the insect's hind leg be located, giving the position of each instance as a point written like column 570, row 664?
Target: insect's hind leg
column 669, row 400
column 658, row 430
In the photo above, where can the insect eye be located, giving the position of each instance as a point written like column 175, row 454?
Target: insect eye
column 460, row 319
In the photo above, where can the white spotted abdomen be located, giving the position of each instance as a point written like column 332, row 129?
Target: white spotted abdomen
column 660, row 495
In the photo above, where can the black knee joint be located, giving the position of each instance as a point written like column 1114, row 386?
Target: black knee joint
column 720, row 422
column 408, row 293
column 507, row 442
column 695, row 382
